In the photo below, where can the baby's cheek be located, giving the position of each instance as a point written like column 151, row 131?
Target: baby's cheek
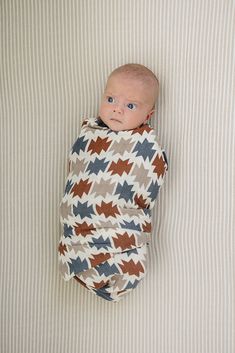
column 102, row 112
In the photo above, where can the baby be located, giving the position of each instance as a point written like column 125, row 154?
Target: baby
column 116, row 168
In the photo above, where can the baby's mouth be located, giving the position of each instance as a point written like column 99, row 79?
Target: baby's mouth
column 117, row 120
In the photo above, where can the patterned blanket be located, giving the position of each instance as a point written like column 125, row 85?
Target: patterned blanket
column 111, row 188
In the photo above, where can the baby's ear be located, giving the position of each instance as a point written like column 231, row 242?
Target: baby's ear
column 150, row 114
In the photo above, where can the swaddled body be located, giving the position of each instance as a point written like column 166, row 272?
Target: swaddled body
column 113, row 181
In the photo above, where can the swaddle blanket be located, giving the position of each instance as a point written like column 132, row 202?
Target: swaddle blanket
column 111, row 188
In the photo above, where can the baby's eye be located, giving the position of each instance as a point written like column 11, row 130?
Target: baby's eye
column 110, row 99
column 131, row 106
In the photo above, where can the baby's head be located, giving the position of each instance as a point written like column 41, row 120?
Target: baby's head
column 129, row 97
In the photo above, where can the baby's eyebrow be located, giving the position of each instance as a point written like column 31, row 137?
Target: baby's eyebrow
column 133, row 100
column 108, row 93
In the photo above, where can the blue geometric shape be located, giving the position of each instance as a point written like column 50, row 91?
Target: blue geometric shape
column 147, row 211
column 132, row 251
column 83, row 210
column 77, row 265
column 100, row 243
column 132, row 285
column 125, row 191
column 153, row 190
column 68, row 231
column 68, row 186
column 130, row 225
column 106, row 269
column 79, row 145
column 144, row 149
column 97, row 166
column 103, row 294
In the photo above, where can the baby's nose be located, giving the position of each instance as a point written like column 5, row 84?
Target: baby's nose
column 118, row 109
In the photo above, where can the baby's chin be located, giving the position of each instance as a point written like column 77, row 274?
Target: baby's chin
column 115, row 124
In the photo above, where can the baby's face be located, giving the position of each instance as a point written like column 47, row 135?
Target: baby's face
column 126, row 104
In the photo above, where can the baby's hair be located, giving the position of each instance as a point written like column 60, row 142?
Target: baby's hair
column 140, row 72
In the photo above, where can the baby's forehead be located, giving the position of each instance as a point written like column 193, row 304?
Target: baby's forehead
column 143, row 79
column 129, row 76
column 148, row 86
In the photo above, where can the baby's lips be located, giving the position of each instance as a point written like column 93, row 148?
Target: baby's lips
column 114, row 119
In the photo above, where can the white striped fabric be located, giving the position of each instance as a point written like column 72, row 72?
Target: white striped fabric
column 55, row 57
